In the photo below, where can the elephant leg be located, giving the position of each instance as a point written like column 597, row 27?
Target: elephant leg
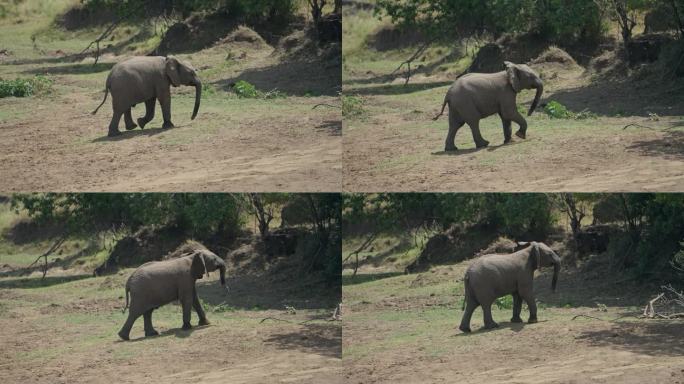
column 517, row 307
column 165, row 102
column 477, row 137
column 114, row 124
column 471, row 305
column 506, row 129
column 128, row 119
column 532, row 305
column 198, row 308
column 520, row 120
column 488, row 320
column 149, row 330
column 126, row 329
column 455, row 123
column 187, row 308
column 149, row 113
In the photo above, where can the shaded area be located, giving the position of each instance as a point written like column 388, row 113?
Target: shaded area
column 125, row 135
column 620, row 98
column 367, row 277
column 670, row 146
column 72, row 69
column 48, row 281
column 292, row 77
column 332, row 127
column 252, row 292
column 395, row 89
column 655, row 338
column 177, row 332
column 322, row 339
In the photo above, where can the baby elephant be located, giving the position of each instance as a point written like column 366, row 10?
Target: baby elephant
column 157, row 283
column 146, row 79
column 475, row 96
column 493, row 276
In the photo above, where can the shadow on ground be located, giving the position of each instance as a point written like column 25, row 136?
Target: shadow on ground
column 395, row 89
column 671, row 146
column 48, row 281
column 366, row 277
column 125, row 135
column 72, row 69
column 321, row 339
column 259, row 293
column 331, row 127
column 655, row 337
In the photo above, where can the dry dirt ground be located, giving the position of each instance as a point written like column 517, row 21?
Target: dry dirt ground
column 403, row 329
column 63, row 330
column 52, row 143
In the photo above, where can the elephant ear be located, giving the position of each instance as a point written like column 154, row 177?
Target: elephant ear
column 172, row 65
column 512, row 72
column 197, row 269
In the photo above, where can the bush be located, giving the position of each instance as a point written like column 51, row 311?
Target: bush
column 556, row 110
column 505, row 302
column 246, row 90
column 352, row 106
column 25, row 87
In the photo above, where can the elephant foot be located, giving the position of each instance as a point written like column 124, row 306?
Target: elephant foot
column 131, row 127
column 151, row 333
column 123, row 335
column 482, row 144
column 203, row 322
column 167, row 125
column 114, row 133
column 532, row 320
column 521, row 134
column 450, row 148
column 516, row 320
column 507, row 140
column 464, row 329
column 491, row 325
column 187, row 326
column 142, row 122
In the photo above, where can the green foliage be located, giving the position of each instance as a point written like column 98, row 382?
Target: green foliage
column 352, row 106
column 25, row 87
column 245, row 90
column 505, row 302
column 556, row 110
column 199, row 215
column 556, row 20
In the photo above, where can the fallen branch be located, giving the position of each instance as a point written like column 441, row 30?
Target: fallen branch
column 45, row 255
column 638, row 126
column 648, row 309
column 669, row 301
column 326, row 105
column 609, row 320
column 408, row 62
column 103, row 36
column 275, row 319
column 363, row 246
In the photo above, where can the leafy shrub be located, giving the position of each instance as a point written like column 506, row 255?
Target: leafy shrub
column 25, row 87
column 245, row 90
column 352, row 106
column 556, row 110
column 505, row 302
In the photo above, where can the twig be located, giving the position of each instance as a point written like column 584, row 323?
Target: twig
column 408, row 62
column 648, row 309
column 97, row 41
column 45, row 255
column 326, row 105
column 638, row 126
column 276, row 319
column 609, row 320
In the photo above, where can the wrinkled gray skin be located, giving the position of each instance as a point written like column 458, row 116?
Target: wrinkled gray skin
column 493, row 276
column 161, row 282
column 478, row 95
column 146, row 79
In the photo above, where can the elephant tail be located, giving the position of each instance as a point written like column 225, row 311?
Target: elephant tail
column 465, row 291
column 446, row 101
column 124, row 309
column 103, row 101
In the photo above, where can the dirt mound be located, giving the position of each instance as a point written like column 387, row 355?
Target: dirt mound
column 555, row 55
column 388, row 38
column 500, row 245
column 489, row 59
column 196, row 33
column 303, row 45
column 245, row 38
column 189, row 246
column 148, row 244
column 81, row 16
column 455, row 245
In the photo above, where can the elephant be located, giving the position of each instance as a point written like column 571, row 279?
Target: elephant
column 146, row 79
column 475, row 96
column 496, row 275
column 157, row 283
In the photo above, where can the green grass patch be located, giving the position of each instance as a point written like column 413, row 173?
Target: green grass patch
column 25, row 87
column 556, row 110
column 352, row 106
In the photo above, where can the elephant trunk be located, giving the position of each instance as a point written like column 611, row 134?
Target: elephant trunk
column 222, row 272
column 198, row 96
column 556, row 270
column 537, row 97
